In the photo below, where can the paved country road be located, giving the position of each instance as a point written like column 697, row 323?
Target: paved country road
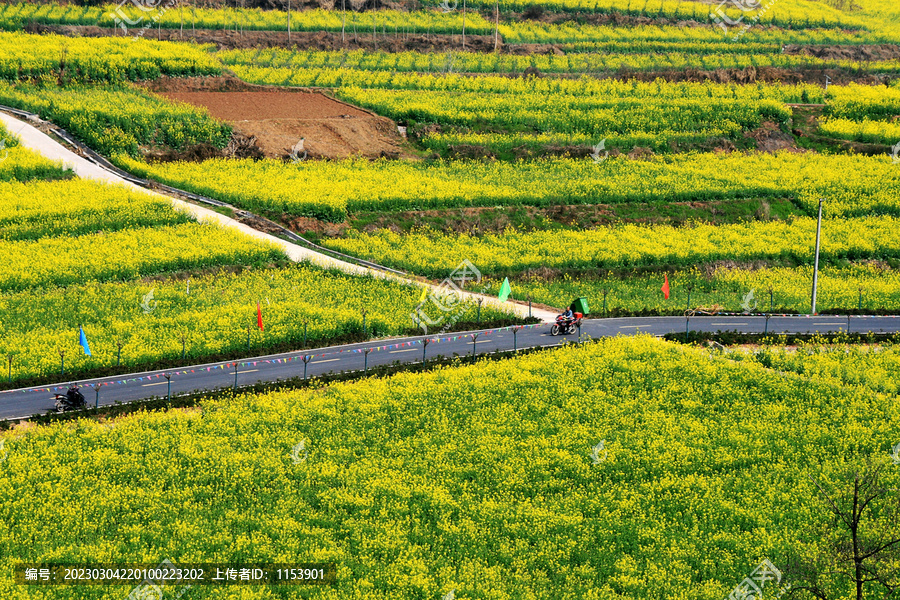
column 128, row 388
column 354, row 357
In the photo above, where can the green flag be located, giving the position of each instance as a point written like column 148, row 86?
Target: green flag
column 504, row 290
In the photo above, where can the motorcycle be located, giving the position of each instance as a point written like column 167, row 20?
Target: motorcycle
column 71, row 401
column 566, row 326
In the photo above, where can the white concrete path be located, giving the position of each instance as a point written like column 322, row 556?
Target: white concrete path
column 34, row 139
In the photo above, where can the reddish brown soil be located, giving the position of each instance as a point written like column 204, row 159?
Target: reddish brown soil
column 483, row 220
column 770, row 138
column 305, row 224
column 858, row 53
column 255, row 106
column 224, row 83
column 278, row 119
column 537, row 14
column 754, row 74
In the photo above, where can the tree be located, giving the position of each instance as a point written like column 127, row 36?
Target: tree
column 862, row 544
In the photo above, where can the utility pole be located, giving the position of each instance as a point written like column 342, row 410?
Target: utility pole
column 496, row 25
column 464, row 25
column 289, row 21
column 816, row 267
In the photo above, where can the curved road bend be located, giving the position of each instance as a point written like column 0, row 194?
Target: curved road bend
column 37, row 141
column 353, row 357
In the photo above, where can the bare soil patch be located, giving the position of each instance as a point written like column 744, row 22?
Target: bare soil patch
column 324, row 228
column 488, row 219
column 262, row 105
column 770, row 138
column 606, row 18
column 223, row 83
column 755, row 74
column 857, row 53
column 278, row 119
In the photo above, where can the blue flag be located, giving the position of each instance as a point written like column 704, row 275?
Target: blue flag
column 82, row 339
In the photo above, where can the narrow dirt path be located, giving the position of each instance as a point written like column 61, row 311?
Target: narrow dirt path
column 34, row 139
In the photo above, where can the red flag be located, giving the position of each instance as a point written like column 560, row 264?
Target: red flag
column 665, row 290
column 259, row 315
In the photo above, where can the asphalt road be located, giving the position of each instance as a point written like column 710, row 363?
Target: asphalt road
column 23, row 403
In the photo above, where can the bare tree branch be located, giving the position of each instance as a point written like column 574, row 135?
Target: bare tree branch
column 880, row 549
column 834, row 507
column 861, row 556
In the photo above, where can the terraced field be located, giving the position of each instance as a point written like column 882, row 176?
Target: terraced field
column 150, row 286
column 649, row 157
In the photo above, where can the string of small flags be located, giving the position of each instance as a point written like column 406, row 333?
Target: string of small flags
column 285, row 360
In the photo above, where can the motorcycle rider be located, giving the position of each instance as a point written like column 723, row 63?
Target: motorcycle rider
column 569, row 316
column 74, row 396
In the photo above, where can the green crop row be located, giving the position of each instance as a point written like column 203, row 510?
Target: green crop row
column 853, row 185
column 116, row 121
column 690, row 39
column 874, row 132
column 855, row 288
column 35, row 210
column 659, row 89
column 858, row 102
column 600, row 117
column 25, row 56
column 642, row 56
column 447, row 65
column 431, row 253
